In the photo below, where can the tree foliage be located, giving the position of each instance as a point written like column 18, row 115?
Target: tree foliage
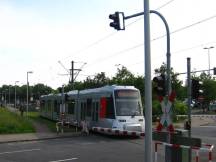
column 122, row 77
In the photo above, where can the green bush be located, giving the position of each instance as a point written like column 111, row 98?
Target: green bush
column 179, row 108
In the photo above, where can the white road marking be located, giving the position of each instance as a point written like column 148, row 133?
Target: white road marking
column 64, row 160
column 208, row 126
column 87, row 143
column 11, row 152
column 22, row 143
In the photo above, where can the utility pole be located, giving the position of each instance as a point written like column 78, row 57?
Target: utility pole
column 72, row 74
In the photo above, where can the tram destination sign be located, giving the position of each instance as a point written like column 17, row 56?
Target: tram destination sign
column 126, row 94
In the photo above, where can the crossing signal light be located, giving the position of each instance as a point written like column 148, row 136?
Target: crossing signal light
column 196, row 89
column 160, row 87
column 118, row 20
column 214, row 70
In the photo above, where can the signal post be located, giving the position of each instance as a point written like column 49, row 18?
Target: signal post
column 118, row 24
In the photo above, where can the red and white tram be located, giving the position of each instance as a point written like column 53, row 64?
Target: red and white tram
column 110, row 109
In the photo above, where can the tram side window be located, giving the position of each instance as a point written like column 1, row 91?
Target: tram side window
column 46, row 106
column 42, row 106
column 96, row 111
column 83, row 111
column 55, row 106
column 57, row 110
column 71, row 107
column 89, row 107
column 49, row 106
column 110, row 108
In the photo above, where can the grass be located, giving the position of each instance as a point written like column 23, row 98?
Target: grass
column 37, row 118
column 13, row 123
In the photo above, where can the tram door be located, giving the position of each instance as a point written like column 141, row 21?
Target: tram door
column 95, row 111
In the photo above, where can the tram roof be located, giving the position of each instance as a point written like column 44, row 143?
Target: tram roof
column 50, row 96
column 108, row 88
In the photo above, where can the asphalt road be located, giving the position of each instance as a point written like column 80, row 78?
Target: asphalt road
column 80, row 149
column 93, row 148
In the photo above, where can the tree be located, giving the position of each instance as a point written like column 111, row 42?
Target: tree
column 209, row 88
column 40, row 89
column 123, row 77
column 175, row 83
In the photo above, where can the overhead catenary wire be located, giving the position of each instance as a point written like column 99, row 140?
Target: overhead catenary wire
column 111, row 34
column 94, row 62
column 186, row 27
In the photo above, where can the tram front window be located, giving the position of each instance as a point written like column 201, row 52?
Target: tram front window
column 128, row 103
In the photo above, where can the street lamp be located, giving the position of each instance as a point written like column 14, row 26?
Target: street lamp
column 15, row 95
column 9, row 96
column 28, row 72
column 208, row 48
column 6, row 97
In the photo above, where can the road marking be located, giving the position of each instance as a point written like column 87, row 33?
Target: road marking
column 23, row 143
column 87, row 143
column 64, row 160
column 208, row 126
column 11, row 152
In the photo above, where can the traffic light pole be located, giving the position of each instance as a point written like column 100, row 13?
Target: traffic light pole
column 189, row 98
column 168, row 84
column 148, row 85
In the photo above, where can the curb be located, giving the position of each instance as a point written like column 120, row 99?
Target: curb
column 43, row 138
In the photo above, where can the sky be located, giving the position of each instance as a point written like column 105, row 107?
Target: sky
column 44, row 36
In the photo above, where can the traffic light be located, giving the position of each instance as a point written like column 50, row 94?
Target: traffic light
column 214, row 70
column 160, row 87
column 66, row 97
column 118, row 20
column 196, row 88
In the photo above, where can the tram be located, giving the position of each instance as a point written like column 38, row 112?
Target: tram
column 109, row 109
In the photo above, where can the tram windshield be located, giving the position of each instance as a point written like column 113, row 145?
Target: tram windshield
column 128, row 103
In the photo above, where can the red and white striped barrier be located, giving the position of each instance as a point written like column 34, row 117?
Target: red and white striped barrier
column 117, row 132
column 199, row 116
column 205, row 148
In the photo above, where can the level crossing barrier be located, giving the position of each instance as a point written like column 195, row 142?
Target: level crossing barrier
column 204, row 148
column 117, row 132
column 200, row 116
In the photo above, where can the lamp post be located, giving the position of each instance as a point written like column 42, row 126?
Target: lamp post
column 6, row 97
column 28, row 72
column 15, row 95
column 208, row 48
column 9, row 96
